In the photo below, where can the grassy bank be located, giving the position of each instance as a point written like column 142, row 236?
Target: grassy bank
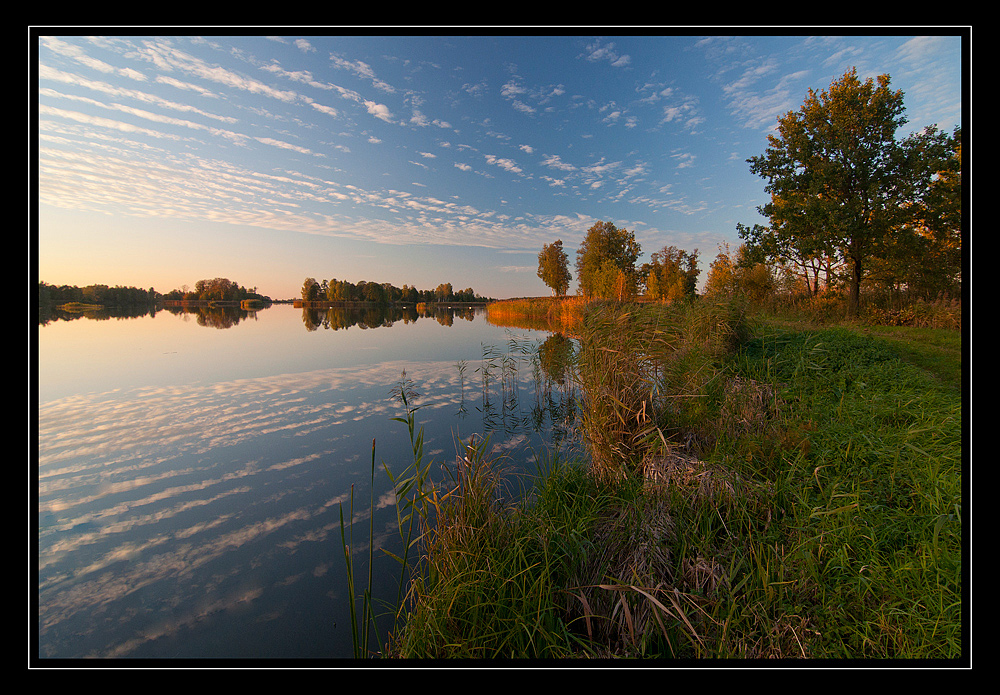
column 754, row 490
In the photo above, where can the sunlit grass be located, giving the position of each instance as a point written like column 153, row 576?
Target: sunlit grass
column 544, row 313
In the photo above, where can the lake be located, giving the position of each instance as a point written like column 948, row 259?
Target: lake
column 193, row 465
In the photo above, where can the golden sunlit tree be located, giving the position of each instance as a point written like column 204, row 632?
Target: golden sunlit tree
column 311, row 290
column 553, row 267
column 611, row 282
column 671, row 274
column 607, row 244
column 721, row 280
column 740, row 276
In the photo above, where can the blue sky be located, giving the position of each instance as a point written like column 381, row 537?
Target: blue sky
column 419, row 159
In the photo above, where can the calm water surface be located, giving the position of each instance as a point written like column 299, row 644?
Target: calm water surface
column 192, row 467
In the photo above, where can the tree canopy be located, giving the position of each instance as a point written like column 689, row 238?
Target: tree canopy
column 671, row 274
column 842, row 186
column 742, row 275
column 553, row 267
column 605, row 261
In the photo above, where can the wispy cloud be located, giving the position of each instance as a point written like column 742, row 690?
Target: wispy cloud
column 50, row 74
column 361, row 69
column 598, row 51
column 504, row 163
column 166, row 57
column 77, row 54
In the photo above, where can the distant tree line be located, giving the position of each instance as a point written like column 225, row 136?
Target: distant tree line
column 216, row 289
column 102, row 295
column 382, row 293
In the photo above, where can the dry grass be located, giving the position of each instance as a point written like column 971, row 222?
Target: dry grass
column 697, row 479
column 616, row 596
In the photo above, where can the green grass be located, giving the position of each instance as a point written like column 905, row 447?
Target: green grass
column 494, row 585
column 763, row 490
column 937, row 351
column 869, row 468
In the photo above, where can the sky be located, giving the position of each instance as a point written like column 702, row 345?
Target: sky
column 421, row 159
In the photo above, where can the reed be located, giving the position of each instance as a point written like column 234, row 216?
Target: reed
column 417, row 502
column 362, row 625
column 494, row 584
column 579, row 569
column 545, row 313
column 652, row 373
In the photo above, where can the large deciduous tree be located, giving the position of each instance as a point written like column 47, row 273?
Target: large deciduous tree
column 606, row 251
column 553, row 267
column 839, row 180
column 443, row 292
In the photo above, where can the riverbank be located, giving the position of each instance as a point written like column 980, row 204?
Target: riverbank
column 754, row 490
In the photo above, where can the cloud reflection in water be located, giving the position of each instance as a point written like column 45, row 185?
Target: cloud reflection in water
column 142, row 494
column 162, row 509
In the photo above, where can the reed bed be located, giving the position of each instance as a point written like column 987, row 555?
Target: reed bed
column 544, row 313
column 877, row 309
column 652, row 375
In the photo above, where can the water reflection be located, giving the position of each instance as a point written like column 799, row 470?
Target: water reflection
column 166, row 506
column 210, row 316
column 214, row 316
column 313, row 318
column 201, row 518
column 48, row 313
column 382, row 315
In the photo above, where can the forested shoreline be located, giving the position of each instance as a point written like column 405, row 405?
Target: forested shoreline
column 325, row 292
column 220, row 290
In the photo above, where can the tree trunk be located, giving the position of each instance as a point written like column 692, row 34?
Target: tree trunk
column 855, row 300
